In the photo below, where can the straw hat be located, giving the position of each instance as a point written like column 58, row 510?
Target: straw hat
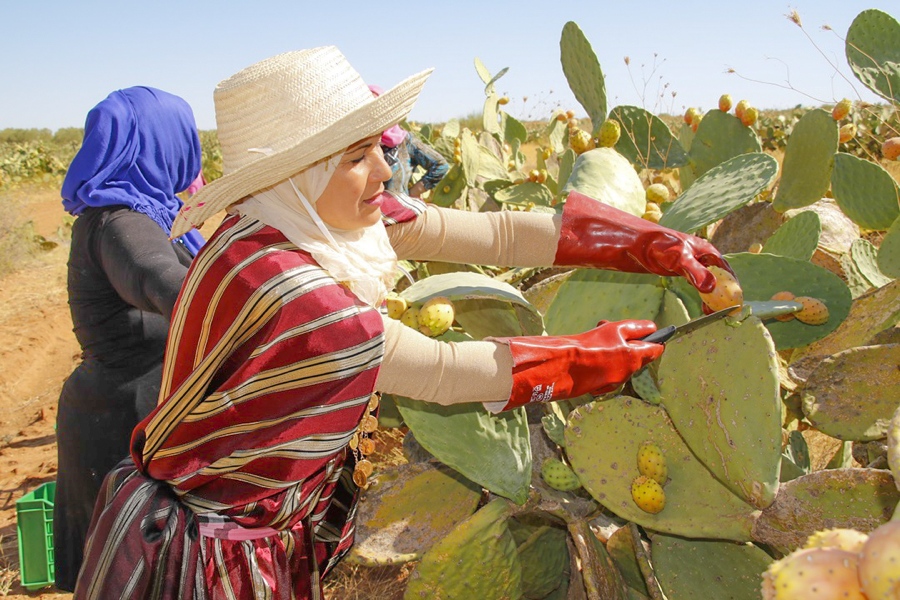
column 282, row 114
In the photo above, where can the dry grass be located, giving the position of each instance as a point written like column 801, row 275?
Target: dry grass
column 354, row 582
column 9, row 571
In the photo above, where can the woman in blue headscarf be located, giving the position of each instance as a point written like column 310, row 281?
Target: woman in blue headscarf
column 140, row 148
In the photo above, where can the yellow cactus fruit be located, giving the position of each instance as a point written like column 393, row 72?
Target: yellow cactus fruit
column 533, row 175
column 841, row 109
column 846, row 133
column 879, row 563
column 822, row 573
column 436, row 316
column 410, row 317
column 561, row 117
column 542, row 175
column 727, row 292
column 778, row 296
column 814, row 311
column 547, row 153
column 725, row 102
column 658, row 193
column 580, row 140
column 850, row 540
column 890, row 148
column 652, row 463
column 755, row 248
column 652, row 212
column 570, row 114
column 695, row 124
column 647, row 494
column 609, row 133
column 503, row 100
column 691, row 115
column 751, row 114
column 740, row 107
column 396, row 305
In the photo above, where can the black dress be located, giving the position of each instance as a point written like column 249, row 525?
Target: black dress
column 123, row 279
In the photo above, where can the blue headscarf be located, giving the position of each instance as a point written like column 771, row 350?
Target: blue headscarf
column 140, row 148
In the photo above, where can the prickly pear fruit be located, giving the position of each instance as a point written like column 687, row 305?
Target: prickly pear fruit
column 503, row 100
column 559, row 475
column 846, row 133
column 879, row 563
column 755, row 248
column 890, row 148
column 609, row 133
column 652, row 212
column 690, row 115
column 727, row 292
column 841, row 109
column 850, row 540
column 410, row 317
column 435, row 316
column 580, row 140
column 396, row 305
column 652, row 463
column 783, row 296
column 822, row 573
column 725, row 102
column 814, row 311
column 740, row 107
column 751, row 114
column 658, row 193
column 648, row 494
column 695, row 124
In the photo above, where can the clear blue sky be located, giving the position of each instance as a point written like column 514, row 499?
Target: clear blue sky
column 61, row 57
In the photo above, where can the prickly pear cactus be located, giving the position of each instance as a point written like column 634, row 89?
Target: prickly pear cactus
column 808, row 161
column 864, row 255
column 583, row 72
column 544, row 559
column 479, row 559
column 720, row 190
column 451, row 188
column 873, row 52
column 762, row 275
column 607, row 176
column 797, row 238
column 621, row 549
column 697, row 504
column 720, row 137
column 849, row 498
column 720, row 387
column 853, row 394
column 589, row 295
column 865, row 192
column 646, row 140
column 407, row 509
column 889, row 252
column 693, row 569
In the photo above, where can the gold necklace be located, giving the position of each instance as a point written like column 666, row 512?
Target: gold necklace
column 363, row 445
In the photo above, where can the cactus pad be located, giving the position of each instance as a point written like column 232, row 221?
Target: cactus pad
column 607, row 176
column 865, row 192
column 762, row 275
column 852, row 395
column 851, row 498
column 720, row 190
column 693, row 569
column 808, row 161
column 720, row 387
column 479, row 559
column 646, row 140
column 873, row 52
column 583, row 72
column 797, row 238
column 697, row 505
column 720, row 137
column 544, row 558
column 407, row 509
column 889, row 252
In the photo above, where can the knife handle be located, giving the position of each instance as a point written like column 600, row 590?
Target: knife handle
column 660, row 336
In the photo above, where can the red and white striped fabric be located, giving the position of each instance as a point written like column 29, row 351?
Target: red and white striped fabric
column 269, row 368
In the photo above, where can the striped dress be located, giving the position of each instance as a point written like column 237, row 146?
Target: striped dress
column 240, row 483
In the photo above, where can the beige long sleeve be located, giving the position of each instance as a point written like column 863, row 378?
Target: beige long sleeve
column 419, row 367
column 505, row 238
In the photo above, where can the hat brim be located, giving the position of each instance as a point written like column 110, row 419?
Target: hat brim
column 384, row 111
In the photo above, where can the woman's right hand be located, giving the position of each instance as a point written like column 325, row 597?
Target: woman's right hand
column 548, row 368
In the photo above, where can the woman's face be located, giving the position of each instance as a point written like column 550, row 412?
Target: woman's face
column 351, row 199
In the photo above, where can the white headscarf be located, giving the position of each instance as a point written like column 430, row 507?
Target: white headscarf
column 362, row 259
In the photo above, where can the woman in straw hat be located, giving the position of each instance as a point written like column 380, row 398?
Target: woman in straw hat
column 242, row 480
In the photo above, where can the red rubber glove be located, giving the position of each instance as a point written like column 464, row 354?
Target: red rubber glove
column 548, row 368
column 600, row 236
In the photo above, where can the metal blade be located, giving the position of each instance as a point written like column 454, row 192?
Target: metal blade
column 666, row 333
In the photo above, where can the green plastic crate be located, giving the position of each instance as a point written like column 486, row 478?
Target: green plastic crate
column 34, row 527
